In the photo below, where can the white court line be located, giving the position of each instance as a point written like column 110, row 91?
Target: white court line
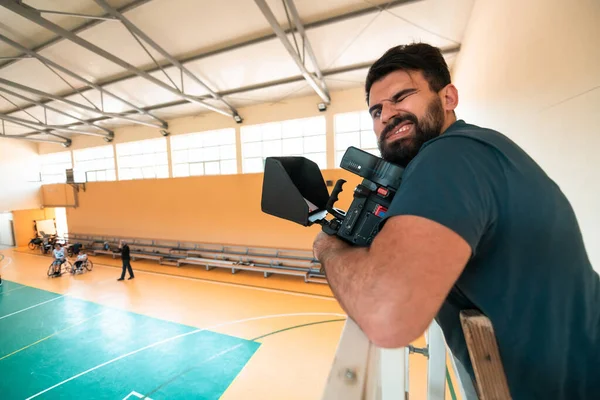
column 33, row 306
column 70, row 293
column 237, row 285
column 12, row 290
column 230, row 284
column 9, row 262
column 138, row 395
column 177, row 337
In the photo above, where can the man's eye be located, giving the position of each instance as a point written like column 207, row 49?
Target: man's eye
column 376, row 114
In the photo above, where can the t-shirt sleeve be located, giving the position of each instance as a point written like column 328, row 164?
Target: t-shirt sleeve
column 454, row 181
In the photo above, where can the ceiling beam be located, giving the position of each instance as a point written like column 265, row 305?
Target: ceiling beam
column 317, row 84
column 312, row 25
column 56, row 110
column 51, row 64
column 70, row 102
column 65, row 143
column 36, row 18
column 137, row 31
column 265, row 85
column 51, row 128
column 79, row 29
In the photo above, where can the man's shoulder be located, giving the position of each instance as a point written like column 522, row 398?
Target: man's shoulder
column 460, row 130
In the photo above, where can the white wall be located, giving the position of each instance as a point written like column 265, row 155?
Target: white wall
column 18, row 162
column 531, row 69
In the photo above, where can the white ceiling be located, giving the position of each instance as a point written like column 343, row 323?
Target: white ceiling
column 191, row 29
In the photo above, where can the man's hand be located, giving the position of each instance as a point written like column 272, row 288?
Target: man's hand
column 325, row 246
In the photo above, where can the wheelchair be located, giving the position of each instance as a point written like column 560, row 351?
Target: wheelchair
column 65, row 267
column 35, row 243
column 86, row 265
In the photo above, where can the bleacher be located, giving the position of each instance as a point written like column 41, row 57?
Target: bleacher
column 267, row 261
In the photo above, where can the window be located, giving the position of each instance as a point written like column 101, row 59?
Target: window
column 204, row 153
column 354, row 129
column 145, row 159
column 54, row 166
column 297, row 137
column 94, row 164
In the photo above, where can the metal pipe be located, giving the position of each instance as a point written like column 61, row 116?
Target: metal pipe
column 70, row 102
column 264, row 85
column 302, row 32
column 312, row 81
column 311, row 25
column 37, row 19
column 137, row 31
column 47, row 62
column 32, row 125
column 66, row 143
column 81, row 28
column 75, row 15
column 56, row 110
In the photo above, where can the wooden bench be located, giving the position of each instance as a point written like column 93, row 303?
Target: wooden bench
column 235, row 266
column 102, row 251
column 158, row 258
column 250, row 259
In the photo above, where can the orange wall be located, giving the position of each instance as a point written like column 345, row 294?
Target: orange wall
column 58, row 195
column 214, row 209
column 23, row 223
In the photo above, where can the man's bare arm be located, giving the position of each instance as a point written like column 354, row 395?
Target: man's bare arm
column 394, row 288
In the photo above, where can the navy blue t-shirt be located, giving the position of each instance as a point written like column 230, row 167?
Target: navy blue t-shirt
column 529, row 272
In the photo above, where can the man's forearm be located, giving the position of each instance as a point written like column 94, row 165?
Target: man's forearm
column 351, row 278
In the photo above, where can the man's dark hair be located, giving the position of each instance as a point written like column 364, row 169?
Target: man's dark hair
column 411, row 57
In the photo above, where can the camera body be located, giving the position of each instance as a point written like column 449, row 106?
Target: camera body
column 294, row 189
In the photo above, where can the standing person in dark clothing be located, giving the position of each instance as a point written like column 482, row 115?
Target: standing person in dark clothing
column 124, row 250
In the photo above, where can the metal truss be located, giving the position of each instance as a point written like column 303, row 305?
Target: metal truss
column 108, row 135
column 33, row 16
column 69, row 102
column 103, row 91
column 138, row 33
column 31, row 136
column 90, row 24
column 265, row 85
column 316, row 80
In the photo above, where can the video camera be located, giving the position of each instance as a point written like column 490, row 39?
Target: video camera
column 294, row 189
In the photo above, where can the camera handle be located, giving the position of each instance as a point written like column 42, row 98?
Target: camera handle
column 337, row 189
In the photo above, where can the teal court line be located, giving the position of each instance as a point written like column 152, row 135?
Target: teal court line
column 50, row 336
column 33, row 306
column 12, row 290
column 35, row 353
column 189, row 362
column 213, row 281
column 188, row 334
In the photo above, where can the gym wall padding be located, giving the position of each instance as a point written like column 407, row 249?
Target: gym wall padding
column 221, row 209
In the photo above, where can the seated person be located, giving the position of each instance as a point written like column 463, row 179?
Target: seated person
column 81, row 258
column 76, row 248
column 59, row 258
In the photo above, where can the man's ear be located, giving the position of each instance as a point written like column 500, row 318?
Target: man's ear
column 449, row 96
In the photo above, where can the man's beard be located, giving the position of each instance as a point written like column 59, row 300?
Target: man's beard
column 402, row 151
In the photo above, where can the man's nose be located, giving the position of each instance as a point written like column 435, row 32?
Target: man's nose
column 388, row 111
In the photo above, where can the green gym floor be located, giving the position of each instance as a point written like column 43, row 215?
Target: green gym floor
column 199, row 335
column 60, row 347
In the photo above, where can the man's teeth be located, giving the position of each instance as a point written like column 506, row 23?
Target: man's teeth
column 403, row 128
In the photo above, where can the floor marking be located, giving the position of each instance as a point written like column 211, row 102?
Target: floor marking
column 33, row 306
column 12, row 290
column 136, row 394
column 238, row 285
column 9, row 262
column 177, row 337
column 210, row 281
column 49, row 336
